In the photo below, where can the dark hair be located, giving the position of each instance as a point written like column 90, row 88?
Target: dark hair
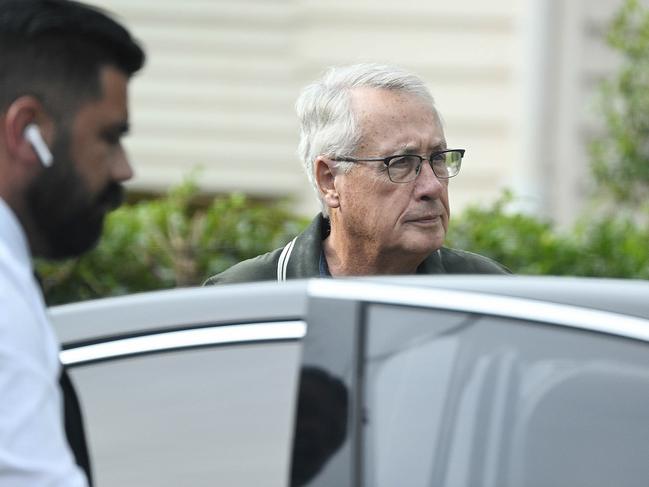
column 54, row 50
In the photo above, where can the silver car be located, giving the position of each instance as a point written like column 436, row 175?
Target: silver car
column 423, row 381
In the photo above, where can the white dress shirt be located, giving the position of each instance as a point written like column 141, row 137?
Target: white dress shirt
column 33, row 447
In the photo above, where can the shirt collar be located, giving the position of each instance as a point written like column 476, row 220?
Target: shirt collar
column 13, row 235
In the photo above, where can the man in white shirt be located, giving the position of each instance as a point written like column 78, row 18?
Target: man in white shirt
column 64, row 73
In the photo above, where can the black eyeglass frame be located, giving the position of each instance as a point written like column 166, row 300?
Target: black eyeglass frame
column 387, row 160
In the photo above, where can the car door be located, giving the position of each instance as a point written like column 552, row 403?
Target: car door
column 190, row 387
column 451, row 388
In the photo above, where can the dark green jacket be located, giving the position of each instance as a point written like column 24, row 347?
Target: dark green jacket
column 300, row 259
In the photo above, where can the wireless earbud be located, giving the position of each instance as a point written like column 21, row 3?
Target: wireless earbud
column 33, row 135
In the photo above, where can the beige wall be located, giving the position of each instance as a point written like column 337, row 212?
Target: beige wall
column 512, row 79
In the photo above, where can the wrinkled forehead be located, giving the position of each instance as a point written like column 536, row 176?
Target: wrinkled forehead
column 385, row 114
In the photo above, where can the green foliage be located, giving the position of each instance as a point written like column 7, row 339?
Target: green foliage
column 620, row 158
column 596, row 247
column 169, row 242
column 611, row 247
column 521, row 242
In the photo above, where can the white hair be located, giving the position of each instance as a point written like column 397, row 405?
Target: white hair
column 328, row 125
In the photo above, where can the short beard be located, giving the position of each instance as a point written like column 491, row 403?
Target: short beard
column 67, row 217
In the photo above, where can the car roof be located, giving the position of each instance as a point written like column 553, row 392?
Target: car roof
column 623, row 296
column 270, row 301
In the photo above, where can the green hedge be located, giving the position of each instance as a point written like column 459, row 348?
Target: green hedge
column 169, row 242
column 600, row 246
column 620, row 155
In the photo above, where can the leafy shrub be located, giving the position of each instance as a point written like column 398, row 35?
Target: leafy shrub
column 169, row 242
column 620, row 156
column 601, row 246
column 523, row 243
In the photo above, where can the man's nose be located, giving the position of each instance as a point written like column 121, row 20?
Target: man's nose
column 122, row 169
column 427, row 184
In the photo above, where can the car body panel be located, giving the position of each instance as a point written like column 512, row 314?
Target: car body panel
column 178, row 309
column 439, row 380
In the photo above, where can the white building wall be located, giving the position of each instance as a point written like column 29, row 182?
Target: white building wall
column 222, row 77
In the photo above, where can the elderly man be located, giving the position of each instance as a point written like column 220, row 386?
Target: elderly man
column 374, row 150
column 64, row 71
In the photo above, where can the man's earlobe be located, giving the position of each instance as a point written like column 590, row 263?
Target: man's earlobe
column 331, row 199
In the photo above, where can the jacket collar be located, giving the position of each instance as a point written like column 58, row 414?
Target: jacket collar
column 304, row 261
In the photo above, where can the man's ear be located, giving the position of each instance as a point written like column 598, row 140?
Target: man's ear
column 22, row 112
column 325, row 176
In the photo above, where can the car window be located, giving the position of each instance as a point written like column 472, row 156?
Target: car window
column 200, row 417
column 405, row 351
column 454, row 399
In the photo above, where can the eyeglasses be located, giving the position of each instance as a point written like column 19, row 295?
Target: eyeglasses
column 406, row 167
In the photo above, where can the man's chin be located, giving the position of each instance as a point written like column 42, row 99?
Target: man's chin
column 76, row 240
column 425, row 243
